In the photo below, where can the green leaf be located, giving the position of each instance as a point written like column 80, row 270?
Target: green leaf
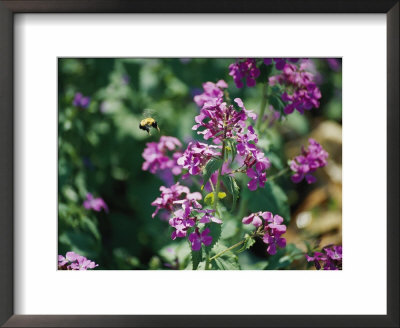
column 233, row 188
column 230, row 149
column 196, row 258
column 227, row 261
column 213, row 165
column 265, row 72
column 229, row 228
column 215, row 233
column 234, row 150
column 277, row 102
column 271, row 198
column 247, row 244
column 89, row 225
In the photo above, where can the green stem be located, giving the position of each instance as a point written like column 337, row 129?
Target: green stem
column 280, row 173
column 216, row 191
column 264, row 103
column 243, row 207
column 228, row 249
column 208, row 261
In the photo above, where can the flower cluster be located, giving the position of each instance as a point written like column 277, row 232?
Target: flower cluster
column 158, row 160
column 212, row 92
column 73, row 261
column 171, row 195
column 272, row 231
column 302, row 92
column 95, row 204
column 244, row 69
column 221, row 121
column 280, row 62
column 196, row 155
column 254, row 160
column 186, row 213
column 309, row 161
column 329, row 259
column 81, row 101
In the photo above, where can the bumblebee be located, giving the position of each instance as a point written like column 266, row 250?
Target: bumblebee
column 148, row 122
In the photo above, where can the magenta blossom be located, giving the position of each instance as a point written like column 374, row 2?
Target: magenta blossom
column 196, row 239
column 207, row 217
column 196, row 155
column 81, row 101
column 181, row 226
column 329, row 259
column 73, row 261
column 302, row 92
column 219, row 121
column 254, row 159
column 258, row 178
column 95, row 204
column 158, row 157
column 273, row 229
column 212, row 92
column 280, row 62
column 308, row 162
column 170, row 196
column 244, row 69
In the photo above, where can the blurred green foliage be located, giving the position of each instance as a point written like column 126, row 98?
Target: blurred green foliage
column 99, row 151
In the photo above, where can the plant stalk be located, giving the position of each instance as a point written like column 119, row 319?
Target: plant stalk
column 228, row 249
column 280, row 173
column 264, row 104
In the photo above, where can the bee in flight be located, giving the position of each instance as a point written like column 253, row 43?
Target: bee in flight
column 148, row 122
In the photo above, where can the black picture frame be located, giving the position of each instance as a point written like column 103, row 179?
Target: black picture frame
column 10, row 7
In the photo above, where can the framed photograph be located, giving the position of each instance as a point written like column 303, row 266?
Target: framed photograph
column 204, row 165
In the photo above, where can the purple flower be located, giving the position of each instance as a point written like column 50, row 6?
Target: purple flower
column 302, row 92
column 73, row 261
column 244, row 69
column 221, row 121
column 181, row 225
column 253, row 219
column 170, row 196
column 196, row 239
column 273, row 229
column 309, row 161
column 280, row 62
column 95, row 204
column 255, row 161
column 196, row 155
column 158, row 159
column 329, row 259
column 212, row 92
column 207, row 217
column 258, row 178
column 81, row 101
